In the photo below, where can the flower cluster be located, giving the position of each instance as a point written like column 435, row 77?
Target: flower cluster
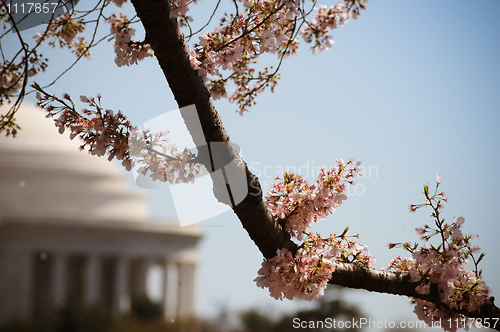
column 11, row 81
column 154, row 155
column 127, row 51
column 64, row 30
column 102, row 131
column 298, row 204
column 118, row 3
column 450, row 320
column 179, row 7
column 264, row 27
column 12, row 76
column 179, row 10
column 325, row 19
column 301, row 204
column 106, row 132
column 4, row 14
column 444, row 265
column 306, row 274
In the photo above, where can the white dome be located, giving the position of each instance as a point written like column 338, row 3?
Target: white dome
column 44, row 175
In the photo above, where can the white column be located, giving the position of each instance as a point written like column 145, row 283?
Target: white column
column 59, row 279
column 121, row 299
column 6, row 282
column 92, row 279
column 186, row 291
column 169, row 298
column 25, row 281
column 141, row 274
column 16, row 289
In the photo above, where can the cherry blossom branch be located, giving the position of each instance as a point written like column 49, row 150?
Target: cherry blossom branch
column 359, row 276
column 106, row 132
column 191, row 33
column 436, row 212
column 265, row 27
column 63, row 30
column 10, row 85
column 187, row 86
column 443, row 268
column 265, row 230
column 248, row 32
column 440, row 287
column 290, row 208
column 297, row 205
column 30, row 65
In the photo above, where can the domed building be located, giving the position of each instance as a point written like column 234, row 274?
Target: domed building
column 70, row 227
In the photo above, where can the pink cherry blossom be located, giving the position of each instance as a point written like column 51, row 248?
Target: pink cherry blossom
column 264, row 27
column 105, row 132
column 127, row 51
column 301, row 204
column 306, row 274
column 445, row 266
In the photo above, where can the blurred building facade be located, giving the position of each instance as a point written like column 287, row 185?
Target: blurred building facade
column 71, row 227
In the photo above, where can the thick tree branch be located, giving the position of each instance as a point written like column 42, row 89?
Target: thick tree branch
column 358, row 275
column 171, row 50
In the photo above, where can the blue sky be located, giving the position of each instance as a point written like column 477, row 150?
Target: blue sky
column 411, row 89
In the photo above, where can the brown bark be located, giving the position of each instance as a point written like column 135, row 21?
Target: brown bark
column 358, row 275
column 171, row 50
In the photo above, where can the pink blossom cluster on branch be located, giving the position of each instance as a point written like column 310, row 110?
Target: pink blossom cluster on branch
column 127, row 51
column 235, row 46
column 324, row 19
column 156, row 157
column 179, row 10
column 301, row 204
column 306, row 274
column 100, row 130
column 297, row 205
column 264, row 27
column 11, row 81
column 64, row 30
column 14, row 72
column 106, row 132
column 443, row 265
column 317, row 30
